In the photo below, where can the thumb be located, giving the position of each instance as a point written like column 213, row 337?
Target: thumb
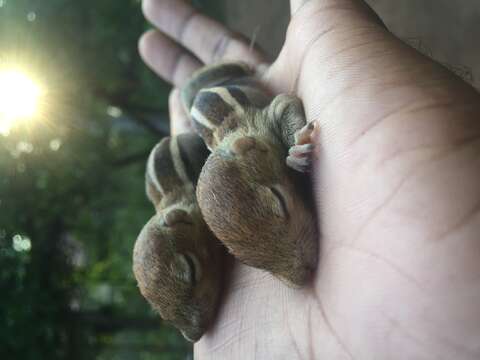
column 298, row 4
column 351, row 72
column 313, row 22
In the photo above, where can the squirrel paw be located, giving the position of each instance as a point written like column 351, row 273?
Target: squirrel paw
column 300, row 155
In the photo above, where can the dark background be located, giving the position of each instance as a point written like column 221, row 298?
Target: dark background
column 71, row 184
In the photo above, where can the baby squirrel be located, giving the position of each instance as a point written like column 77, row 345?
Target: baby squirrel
column 177, row 260
column 248, row 193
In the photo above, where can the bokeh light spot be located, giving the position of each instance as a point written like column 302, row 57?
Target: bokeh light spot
column 114, row 111
column 55, row 144
column 21, row 243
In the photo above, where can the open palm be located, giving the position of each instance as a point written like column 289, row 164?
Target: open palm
column 395, row 180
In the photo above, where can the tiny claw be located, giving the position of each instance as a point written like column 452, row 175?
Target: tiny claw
column 301, row 150
column 302, row 165
column 302, row 161
column 303, row 136
column 300, row 155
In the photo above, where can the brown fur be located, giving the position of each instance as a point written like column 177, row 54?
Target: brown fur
column 235, row 196
column 250, row 199
column 177, row 233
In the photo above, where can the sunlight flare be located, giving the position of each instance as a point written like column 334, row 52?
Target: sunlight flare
column 19, row 96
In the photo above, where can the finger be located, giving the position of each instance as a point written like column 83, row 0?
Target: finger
column 166, row 58
column 179, row 119
column 296, row 4
column 311, row 30
column 204, row 37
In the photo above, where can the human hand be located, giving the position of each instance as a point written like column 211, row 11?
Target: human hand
column 396, row 187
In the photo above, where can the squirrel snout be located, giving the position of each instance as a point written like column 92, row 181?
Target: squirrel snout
column 244, row 144
column 192, row 335
column 176, row 216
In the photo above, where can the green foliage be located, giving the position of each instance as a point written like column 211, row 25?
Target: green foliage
column 71, row 185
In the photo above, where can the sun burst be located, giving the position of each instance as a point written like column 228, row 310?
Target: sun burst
column 19, row 97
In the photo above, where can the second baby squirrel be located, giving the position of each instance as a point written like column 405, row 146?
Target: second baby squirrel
column 177, row 261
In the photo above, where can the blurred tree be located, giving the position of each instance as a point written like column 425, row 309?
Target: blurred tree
column 71, row 184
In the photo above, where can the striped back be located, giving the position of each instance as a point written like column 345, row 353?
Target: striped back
column 223, row 106
column 220, row 96
column 174, row 162
column 211, row 76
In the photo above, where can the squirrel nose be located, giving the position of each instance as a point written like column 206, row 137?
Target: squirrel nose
column 244, row 144
column 176, row 216
column 192, row 335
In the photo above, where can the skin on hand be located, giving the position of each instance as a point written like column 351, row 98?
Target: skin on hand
column 396, row 189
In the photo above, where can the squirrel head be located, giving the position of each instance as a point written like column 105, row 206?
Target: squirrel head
column 177, row 263
column 253, row 203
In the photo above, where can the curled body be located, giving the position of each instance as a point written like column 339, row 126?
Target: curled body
column 177, row 260
column 252, row 191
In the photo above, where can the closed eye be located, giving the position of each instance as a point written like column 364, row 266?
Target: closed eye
column 281, row 200
column 195, row 267
column 192, row 268
column 186, row 268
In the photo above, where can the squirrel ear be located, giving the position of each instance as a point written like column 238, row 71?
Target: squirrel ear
column 153, row 194
column 288, row 115
column 153, row 183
